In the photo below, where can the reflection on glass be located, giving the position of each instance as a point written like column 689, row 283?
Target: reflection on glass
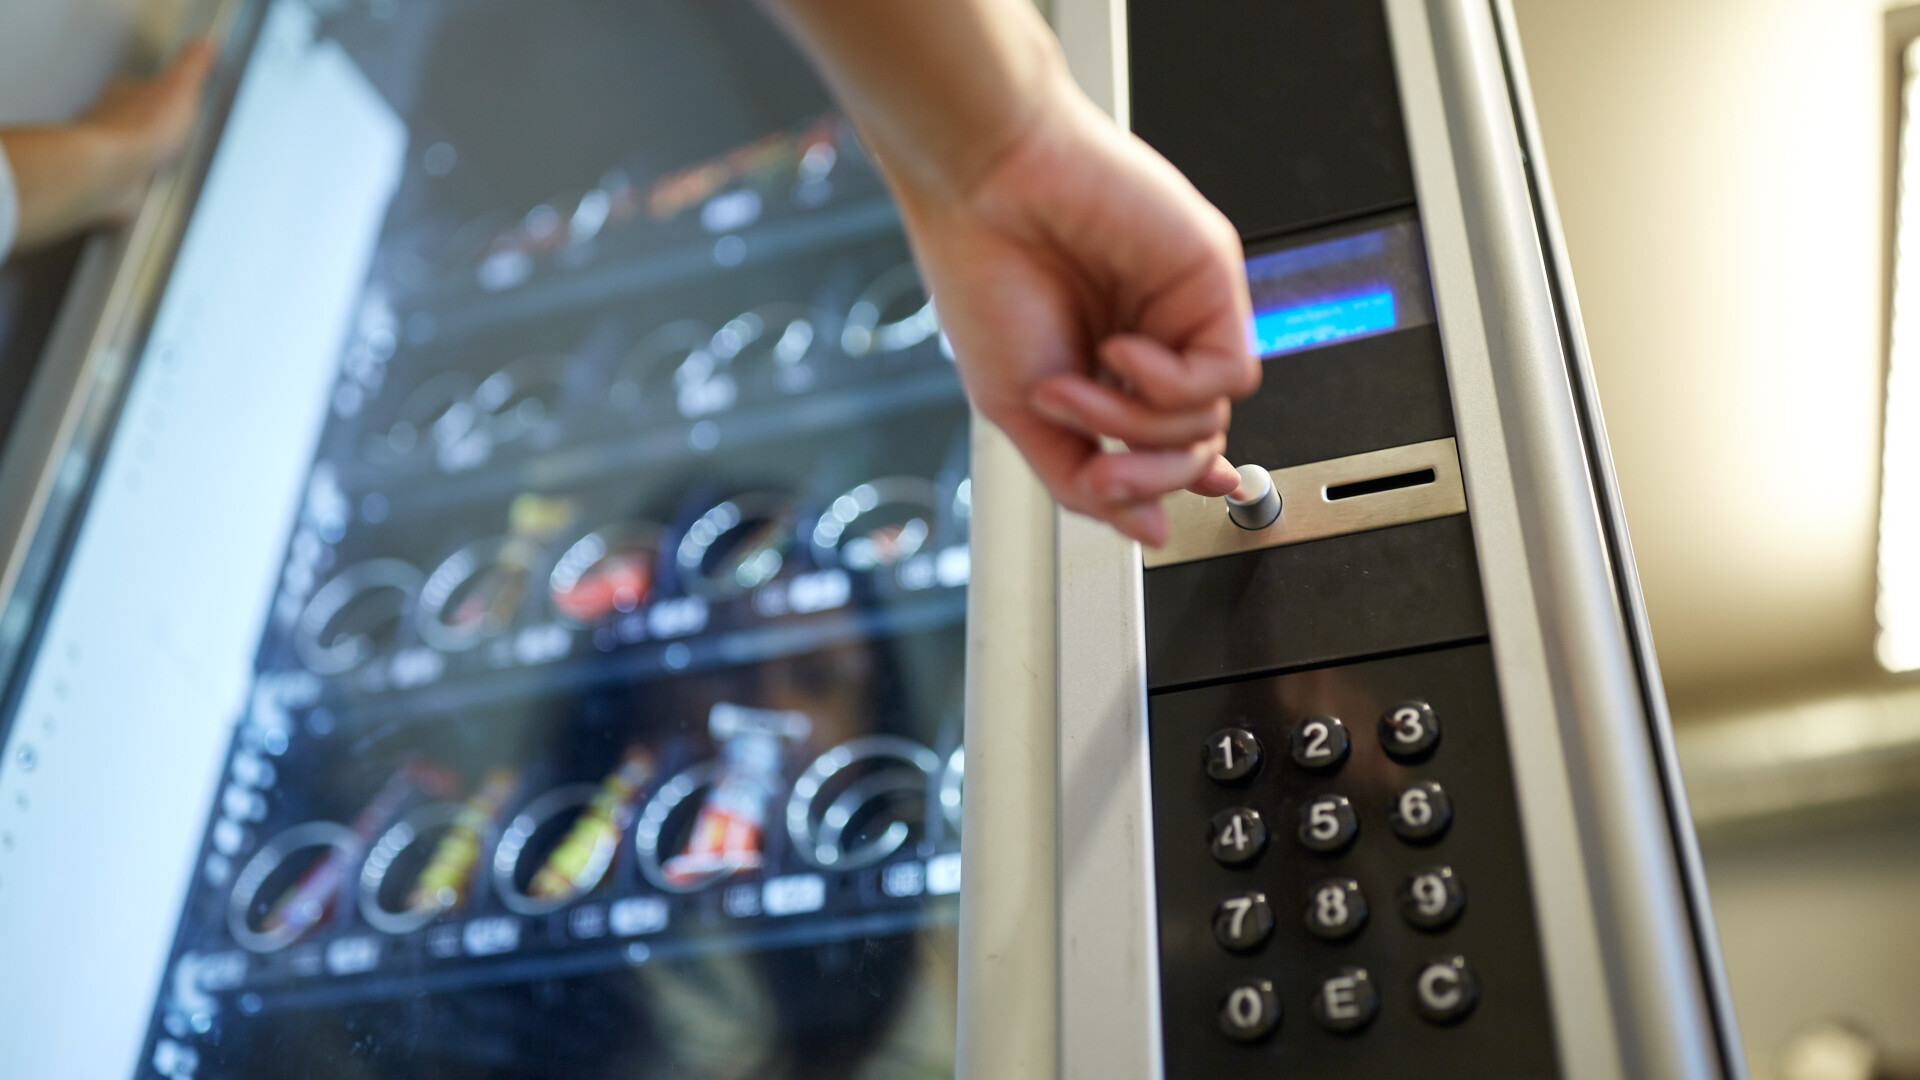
column 1323, row 291
column 606, row 723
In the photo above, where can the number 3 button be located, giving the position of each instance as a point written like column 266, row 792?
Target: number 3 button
column 1238, row 835
column 1421, row 813
column 1409, row 731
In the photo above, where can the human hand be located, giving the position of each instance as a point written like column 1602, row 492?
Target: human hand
column 95, row 170
column 1090, row 292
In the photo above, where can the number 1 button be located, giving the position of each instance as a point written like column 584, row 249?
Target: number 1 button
column 1238, row 835
column 1232, row 755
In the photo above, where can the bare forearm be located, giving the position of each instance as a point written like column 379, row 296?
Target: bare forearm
column 68, row 179
column 939, row 88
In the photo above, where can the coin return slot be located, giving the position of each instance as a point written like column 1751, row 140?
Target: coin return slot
column 1378, row 485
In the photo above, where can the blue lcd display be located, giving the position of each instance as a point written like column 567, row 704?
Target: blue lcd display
column 1367, row 282
column 1303, row 326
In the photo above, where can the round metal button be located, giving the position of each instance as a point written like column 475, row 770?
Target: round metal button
column 1421, row 812
column 1347, row 1001
column 1320, row 743
column 1445, row 991
column 1242, row 923
column 1251, row 1011
column 1433, row 898
column 1238, row 835
column 1409, row 731
column 1232, row 755
column 1328, row 824
column 1336, row 909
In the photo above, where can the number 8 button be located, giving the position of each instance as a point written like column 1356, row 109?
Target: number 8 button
column 1409, row 731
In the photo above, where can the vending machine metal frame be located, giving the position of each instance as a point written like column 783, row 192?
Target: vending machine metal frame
column 1634, row 976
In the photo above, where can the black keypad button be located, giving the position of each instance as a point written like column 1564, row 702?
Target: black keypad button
column 1238, row 835
column 1433, row 898
column 1232, row 755
column 1409, row 731
column 1444, row 991
column 1320, row 743
column 1242, row 923
column 1421, row 812
column 1328, row 824
column 1336, row 909
column 1251, row 1011
column 1347, row 1001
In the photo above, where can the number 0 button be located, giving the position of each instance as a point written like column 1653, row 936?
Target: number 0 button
column 1433, row 898
column 1238, row 835
column 1421, row 813
column 1232, row 755
column 1242, row 923
column 1320, row 743
column 1336, row 909
column 1409, row 731
column 1251, row 1011
column 1328, row 824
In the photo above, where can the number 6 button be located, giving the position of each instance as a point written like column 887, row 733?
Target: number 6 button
column 1238, row 835
column 1328, row 824
column 1409, row 731
column 1421, row 813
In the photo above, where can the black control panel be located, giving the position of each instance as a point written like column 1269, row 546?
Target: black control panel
column 1341, row 891
column 1342, row 886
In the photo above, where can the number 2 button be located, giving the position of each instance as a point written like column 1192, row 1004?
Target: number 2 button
column 1320, row 743
column 1238, row 835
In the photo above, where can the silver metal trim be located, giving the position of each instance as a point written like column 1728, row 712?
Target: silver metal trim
column 1623, row 973
column 653, row 818
column 1199, row 527
column 1613, row 515
column 1108, row 941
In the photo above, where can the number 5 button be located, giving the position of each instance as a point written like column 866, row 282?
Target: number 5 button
column 1409, row 731
column 1328, row 824
column 1238, row 835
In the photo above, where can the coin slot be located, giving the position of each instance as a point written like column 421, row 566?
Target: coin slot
column 1379, row 485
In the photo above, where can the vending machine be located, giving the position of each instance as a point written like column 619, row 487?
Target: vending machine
column 502, row 582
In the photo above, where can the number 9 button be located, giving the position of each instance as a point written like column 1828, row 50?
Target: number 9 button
column 1433, row 898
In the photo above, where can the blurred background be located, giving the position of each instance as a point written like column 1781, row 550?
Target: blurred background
column 1726, row 172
